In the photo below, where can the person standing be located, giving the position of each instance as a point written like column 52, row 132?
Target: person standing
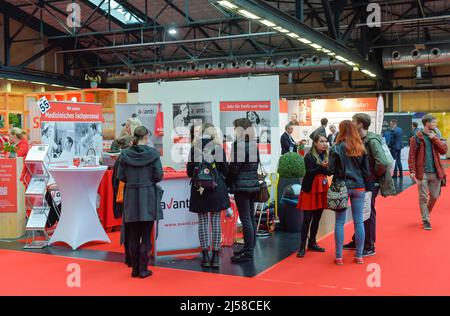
column 140, row 168
column 208, row 154
column 18, row 137
column 288, row 144
column 322, row 130
column 348, row 163
column 313, row 195
column 334, row 134
column 425, row 166
column 243, row 182
column 415, row 128
column 396, row 146
column 379, row 178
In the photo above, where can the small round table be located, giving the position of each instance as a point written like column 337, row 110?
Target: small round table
column 79, row 222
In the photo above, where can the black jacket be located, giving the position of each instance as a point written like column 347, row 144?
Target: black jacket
column 312, row 169
column 330, row 138
column 212, row 200
column 243, row 169
column 140, row 168
column 286, row 143
column 352, row 170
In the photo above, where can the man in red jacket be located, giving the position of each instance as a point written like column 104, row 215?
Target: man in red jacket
column 425, row 166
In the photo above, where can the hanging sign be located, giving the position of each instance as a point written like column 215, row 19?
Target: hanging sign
column 43, row 104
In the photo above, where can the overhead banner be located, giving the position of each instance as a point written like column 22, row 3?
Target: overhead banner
column 72, row 130
column 8, row 189
column 258, row 112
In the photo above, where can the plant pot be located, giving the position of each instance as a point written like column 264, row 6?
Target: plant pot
column 94, row 84
column 282, row 184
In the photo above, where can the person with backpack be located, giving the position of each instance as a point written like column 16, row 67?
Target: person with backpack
column 243, row 182
column 207, row 167
column 425, row 166
column 349, row 166
column 140, row 169
column 379, row 179
column 313, row 195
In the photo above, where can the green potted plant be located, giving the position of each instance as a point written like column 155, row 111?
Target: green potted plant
column 94, row 80
column 11, row 149
column 291, row 170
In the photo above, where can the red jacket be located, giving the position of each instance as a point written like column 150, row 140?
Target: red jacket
column 416, row 160
column 22, row 148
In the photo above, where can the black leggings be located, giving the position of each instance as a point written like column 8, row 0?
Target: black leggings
column 311, row 222
column 246, row 210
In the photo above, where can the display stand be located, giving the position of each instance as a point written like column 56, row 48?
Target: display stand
column 36, row 166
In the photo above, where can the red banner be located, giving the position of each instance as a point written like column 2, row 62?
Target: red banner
column 73, row 112
column 245, row 106
column 8, row 189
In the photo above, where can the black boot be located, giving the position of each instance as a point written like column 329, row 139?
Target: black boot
column 206, row 262
column 215, row 259
column 134, row 258
column 301, row 251
column 313, row 246
column 143, row 262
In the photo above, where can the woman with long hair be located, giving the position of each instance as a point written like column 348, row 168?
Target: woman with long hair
column 348, row 163
column 313, row 196
column 140, row 168
column 207, row 154
column 243, row 182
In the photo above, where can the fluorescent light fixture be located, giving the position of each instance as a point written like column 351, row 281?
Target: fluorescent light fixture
column 280, row 29
column 228, row 4
column 249, row 15
column 326, row 51
column 172, row 31
column 293, row 35
column 332, row 54
column 34, row 82
column 304, row 40
column 350, row 63
column 367, row 72
column 356, row 69
column 342, row 58
column 268, row 23
column 316, row 46
column 73, row 88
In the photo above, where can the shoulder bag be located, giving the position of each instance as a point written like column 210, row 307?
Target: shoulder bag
column 337, row 196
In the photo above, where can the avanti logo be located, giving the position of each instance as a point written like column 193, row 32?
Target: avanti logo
column 175, row 204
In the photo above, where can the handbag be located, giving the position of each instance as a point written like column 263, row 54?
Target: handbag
column 337, row 196
column 120, row 192
column 262, row 195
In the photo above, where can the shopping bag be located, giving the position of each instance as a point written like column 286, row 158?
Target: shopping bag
column 367, row 206
column 229, row 225
column 120, row 192
column 159, row 123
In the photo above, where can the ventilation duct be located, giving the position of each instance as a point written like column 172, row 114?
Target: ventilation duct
column 398, row 58
column 281, row 64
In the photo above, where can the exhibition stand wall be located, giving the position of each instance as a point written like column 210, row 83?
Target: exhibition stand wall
column 12, row 199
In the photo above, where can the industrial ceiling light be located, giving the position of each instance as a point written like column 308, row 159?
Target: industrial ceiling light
column 228, row 4
column 293, row 35
column 356, row 69
column 249, row 15
column 340, row 58
column 304, row 40
column 172, row 31
column 350, row 63
column 316, row 46
column 280, row 29
column 268, row 23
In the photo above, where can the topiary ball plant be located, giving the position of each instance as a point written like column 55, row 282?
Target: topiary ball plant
column 291, row 165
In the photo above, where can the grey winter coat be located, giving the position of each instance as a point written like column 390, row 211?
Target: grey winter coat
column 140, row 168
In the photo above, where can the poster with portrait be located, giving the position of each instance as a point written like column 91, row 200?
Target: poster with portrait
column 258, row 112
column 186, row 115
column 72, row 129
column 146, row 113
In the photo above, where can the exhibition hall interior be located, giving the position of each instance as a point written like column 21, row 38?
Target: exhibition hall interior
column 224, row 148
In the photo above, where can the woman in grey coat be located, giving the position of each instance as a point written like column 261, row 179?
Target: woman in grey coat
column 140, row 168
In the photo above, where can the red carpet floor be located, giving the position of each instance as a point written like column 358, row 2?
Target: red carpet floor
column 412, row 262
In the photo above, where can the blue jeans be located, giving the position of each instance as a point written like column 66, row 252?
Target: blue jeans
column 357, row 202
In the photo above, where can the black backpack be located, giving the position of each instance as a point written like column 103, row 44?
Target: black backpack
column 205, row 175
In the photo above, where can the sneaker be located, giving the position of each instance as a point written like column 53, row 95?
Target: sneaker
column 368, row 253
column 427, row 226
column 359, row 260
column 338, row 261
column 350, row 246
column 315, row 247
column 243, row 257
